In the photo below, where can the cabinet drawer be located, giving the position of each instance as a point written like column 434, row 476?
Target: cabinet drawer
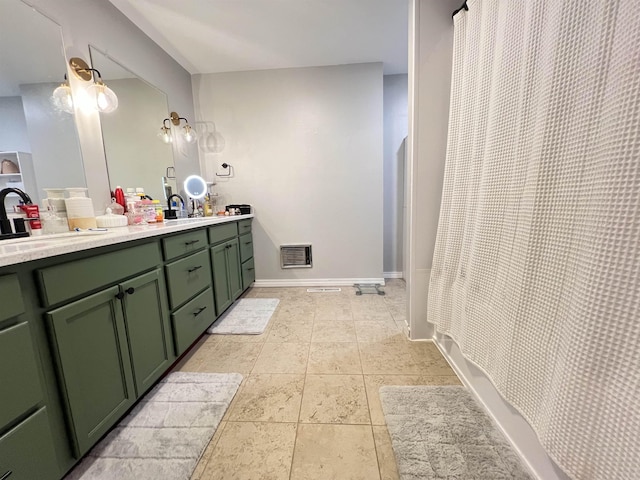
column 188, row 276
column 18, row 374
column 69, row 280
column 27, row 451
column 248, row 274
column 192, row 319
column 244, row 226
column 185, row 243
column 246, row 247
column 10, row 297
column 219, row 233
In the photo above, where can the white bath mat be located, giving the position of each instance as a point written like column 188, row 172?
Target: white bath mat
column 440, row 433
column 166, row 433
column 248, row 316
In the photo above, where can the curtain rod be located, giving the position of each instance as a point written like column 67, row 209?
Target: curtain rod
column 462, row 7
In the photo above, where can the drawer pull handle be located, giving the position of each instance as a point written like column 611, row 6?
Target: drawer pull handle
column 191, row 270
column 252, row 268
column 200, row 310
column 6, row 475
column 119, row 296
column 248, row 243
column 187, row 244
column 130, row 290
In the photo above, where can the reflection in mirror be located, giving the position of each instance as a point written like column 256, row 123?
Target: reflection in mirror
column 39, row 138
column 135, row 155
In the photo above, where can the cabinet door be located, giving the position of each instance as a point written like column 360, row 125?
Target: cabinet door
column 27, row 451
column 220, row 277
column 233, row 268
column 92, row 356
column 146, row 317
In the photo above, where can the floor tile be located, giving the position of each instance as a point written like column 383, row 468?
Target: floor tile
column 291, row 332
column 229, row 357
column 282, row 358
column 384, row 452
column 324, row 452
column 387, row 357
column 333, row 313
column 202, row 464
column 374, row 382
column 249, row 451
column 334, row 358
column 333, row 331
column 268, row 398
column 373, row 331
column 334, row 399
column 429, row 359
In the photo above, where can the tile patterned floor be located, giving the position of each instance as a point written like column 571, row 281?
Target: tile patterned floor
column 308, row 407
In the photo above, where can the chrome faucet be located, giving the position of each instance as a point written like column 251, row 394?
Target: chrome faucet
column 5, row 224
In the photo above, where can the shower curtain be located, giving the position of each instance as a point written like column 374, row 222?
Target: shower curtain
column 536, row 268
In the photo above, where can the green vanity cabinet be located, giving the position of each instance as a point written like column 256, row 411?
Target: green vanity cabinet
column 111, row 347
column 246, row 258
column 27, row 452
column 227, row 283
column 146, row 317
column 94, row 364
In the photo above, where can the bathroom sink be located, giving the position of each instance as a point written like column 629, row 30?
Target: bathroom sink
column 47, row 240
column 182, row 221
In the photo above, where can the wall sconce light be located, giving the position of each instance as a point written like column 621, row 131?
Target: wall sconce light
column 62, row 98
column 103, row 98
column 188, row 133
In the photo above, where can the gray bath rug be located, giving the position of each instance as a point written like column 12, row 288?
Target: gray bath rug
column 164, row 435
column 440, row 432
column 248, row 316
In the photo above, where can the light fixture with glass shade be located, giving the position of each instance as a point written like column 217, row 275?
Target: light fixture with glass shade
column 188, row 133
column 62, row 98
column 101, row 97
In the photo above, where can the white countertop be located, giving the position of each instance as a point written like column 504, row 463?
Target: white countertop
column 33, row 248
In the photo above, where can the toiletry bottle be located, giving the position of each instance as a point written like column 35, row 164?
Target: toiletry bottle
column 159, row 213
column 208, row 208
column 119, row 197
column 33, row 217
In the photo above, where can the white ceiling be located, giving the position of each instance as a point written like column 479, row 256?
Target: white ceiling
column 211, row 36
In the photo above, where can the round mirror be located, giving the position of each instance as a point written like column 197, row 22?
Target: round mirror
column 195, row 186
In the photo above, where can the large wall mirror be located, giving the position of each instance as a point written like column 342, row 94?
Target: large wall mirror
column 36, row 135
column 136, row 157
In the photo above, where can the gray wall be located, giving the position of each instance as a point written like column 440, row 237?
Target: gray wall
column 53, row 140
column 395, row 130
column 306, row 147
column 13, row 134
column 430, row 55
column 99, row 23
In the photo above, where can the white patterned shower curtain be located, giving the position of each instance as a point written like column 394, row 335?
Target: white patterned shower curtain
column 536, row 268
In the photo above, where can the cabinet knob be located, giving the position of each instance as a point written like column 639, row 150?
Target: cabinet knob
column 191, row 270
column 119, row 296
column 200, row 310
column 191, row 242
column 228, row 246
column 130, row 290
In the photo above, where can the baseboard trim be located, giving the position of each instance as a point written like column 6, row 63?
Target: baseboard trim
column 393, row 274
column 513, row 425
column 315, row 282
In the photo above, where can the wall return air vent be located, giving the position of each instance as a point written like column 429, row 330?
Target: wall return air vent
column 295, row 256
